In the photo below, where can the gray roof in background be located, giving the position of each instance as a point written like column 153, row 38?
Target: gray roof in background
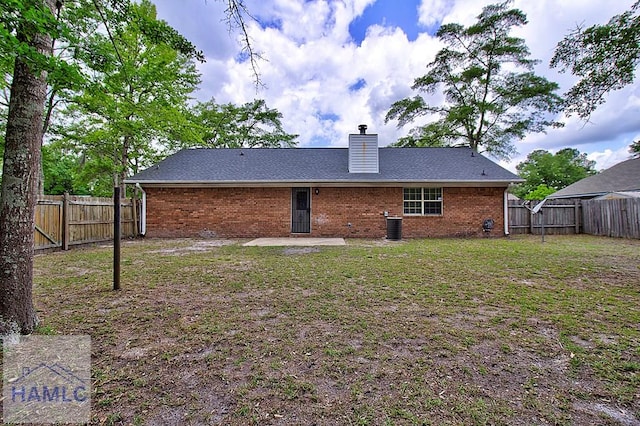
column 623, row 176
column 321, row 165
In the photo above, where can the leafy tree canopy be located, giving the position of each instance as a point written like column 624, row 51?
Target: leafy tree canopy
column 605, row 58
column 252, row 125
column 28, row 31
column 540, row 193
column 135, row 97
column 21, row 17
column 544, row 171
column 95, row 41
column 61, row 172
column 491, row 94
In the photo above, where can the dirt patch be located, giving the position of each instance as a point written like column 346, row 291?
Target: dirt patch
column 300, row 250
column 383, row 242
column 620, row 415
column 197, row 246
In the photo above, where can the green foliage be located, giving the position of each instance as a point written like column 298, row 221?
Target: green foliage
column 122, row 77
column 605, row 58
column 544, row 172
column 491, row 95
column 94, row 174
column 252, row 125
column 61, row 172
column 30, row 17
column 540, row 193
column 634, row 149
column 134, row 100
column 79, row 174
column 67, row 30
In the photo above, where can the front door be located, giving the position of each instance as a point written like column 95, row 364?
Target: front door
column 300, row 210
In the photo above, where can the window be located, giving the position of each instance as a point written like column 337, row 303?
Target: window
column 423, row 201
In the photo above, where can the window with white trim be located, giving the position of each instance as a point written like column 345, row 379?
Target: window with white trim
column 423, row 201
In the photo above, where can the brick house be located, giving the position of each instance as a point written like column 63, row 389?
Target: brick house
column 324, row 192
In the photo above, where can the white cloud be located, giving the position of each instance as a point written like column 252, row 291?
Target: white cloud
column 432, row 12
column 312, row 62
column 608, row 157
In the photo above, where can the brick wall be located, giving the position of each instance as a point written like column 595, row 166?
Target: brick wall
column 218, row 212
column 334, row 209
column 335, row 212
column 464, row 210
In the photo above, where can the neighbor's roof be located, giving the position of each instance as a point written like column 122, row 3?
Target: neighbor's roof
column 618, row 195
column 280, row 166
column 623, row 176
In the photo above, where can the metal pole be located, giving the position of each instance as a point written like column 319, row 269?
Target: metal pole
column 66, row 218
column 116, row 238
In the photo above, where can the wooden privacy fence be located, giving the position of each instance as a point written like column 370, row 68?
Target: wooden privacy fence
column 66, row 220
column 559, row 217
column 612, row 218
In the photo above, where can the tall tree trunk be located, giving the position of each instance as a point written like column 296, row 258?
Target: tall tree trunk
column 21, row 168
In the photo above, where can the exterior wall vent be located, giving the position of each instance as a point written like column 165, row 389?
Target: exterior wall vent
column 363, row 153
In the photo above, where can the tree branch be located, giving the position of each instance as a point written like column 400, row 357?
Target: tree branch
column 235, row 12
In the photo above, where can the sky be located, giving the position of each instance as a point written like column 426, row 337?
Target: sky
column 330, row 65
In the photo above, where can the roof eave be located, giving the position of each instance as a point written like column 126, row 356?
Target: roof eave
column 321, row 182
column 582, row 195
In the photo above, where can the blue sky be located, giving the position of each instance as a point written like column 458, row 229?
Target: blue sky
column 333, row 64
column 388, row 13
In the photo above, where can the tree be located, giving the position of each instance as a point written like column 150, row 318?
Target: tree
column 61, row 170
column 540, row 193
column 248, row 126
column 491, row 94
column 76, row 21
column 135, row 99
column 605, row 58
column 6, row 70
column 634, row 149
column 27, row 30
column 544, row 171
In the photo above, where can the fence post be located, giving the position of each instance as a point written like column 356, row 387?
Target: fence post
column 65, row 221
column 116, row 238
column 576, row 214
column 531, row 217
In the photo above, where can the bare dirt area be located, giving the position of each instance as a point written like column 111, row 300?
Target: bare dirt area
column 510, row 332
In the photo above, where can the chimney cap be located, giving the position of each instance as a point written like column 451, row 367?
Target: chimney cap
column 362, row 128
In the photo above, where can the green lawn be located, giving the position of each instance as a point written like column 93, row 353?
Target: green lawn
column 444, row 331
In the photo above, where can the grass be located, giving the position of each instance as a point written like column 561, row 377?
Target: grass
column 484, row 331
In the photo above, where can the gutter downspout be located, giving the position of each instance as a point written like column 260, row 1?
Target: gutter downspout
column 505, row 200
column 143, row 211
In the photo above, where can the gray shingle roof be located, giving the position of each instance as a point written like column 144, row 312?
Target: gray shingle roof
column 623, row 176
column 261, row 166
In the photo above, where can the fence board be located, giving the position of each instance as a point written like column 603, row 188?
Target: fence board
column 62, row 221
column 48, row 233
column 612, row 218
column 559, row 217
column 618, row 218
